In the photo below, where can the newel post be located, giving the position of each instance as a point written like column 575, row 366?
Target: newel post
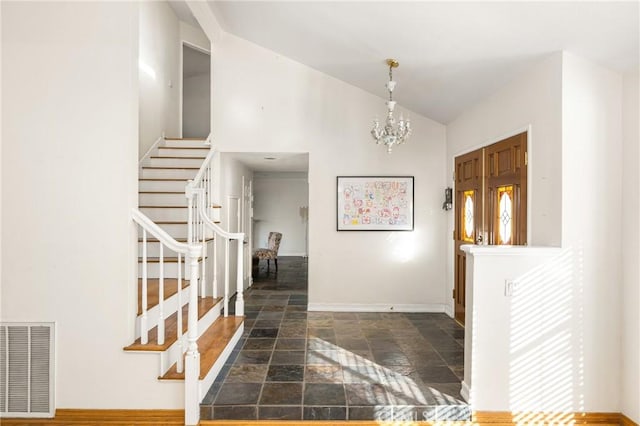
column 240, row 280
column 192, row 357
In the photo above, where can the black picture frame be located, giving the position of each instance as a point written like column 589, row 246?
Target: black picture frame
column 375, row 203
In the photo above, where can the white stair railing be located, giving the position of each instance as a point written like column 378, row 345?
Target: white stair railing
column 228, row 237
column 193, row 251
column 199, row 193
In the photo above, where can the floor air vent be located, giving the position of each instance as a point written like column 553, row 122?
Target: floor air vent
column 26, row 369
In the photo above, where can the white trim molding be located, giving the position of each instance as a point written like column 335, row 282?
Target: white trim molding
column 448, row 309
column 509, row 250
column 465, row 391
column 377, row 307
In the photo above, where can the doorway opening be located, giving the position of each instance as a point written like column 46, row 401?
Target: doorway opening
column 196, row 92
column 490, row 203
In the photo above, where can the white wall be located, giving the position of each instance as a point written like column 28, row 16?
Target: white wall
column 331, row 120
column 278, row 199
column 159, row 73
column 580, row 148
column 591, row 201
column 531, row 101
column 630, row 228
column 69, row 181
column 196, row 106
column 194, row 36
column 230, row 172
column 520, row 353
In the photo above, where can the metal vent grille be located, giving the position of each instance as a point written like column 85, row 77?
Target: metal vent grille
column 26, row 369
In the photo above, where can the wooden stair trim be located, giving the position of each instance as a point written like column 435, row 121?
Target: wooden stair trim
column 205, row 304
column 114, row 417
column 210, row 345
column 170, row 288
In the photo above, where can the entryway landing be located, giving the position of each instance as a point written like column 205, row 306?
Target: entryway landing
column 292, row 364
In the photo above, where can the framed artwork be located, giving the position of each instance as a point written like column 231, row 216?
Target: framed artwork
column 375, row 203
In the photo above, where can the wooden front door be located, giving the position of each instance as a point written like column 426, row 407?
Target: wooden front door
column 468, row 223
column 491, row 203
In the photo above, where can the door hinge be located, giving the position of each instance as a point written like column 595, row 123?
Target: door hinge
column 453, row 293
column 526, row 158
column 454, row 234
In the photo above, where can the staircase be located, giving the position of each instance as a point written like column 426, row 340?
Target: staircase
column 179, row 319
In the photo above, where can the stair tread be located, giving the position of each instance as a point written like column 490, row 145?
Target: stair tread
column 179, row 222
column 210, row 345
column 180, row 240
column 205, row 304
column 185, row 139
column 213, row 206
column 177, row 158
column 163, row 207
column 167, row 259
column 160, row 192
column 171, row 168
column 163, row 179
column 184, row 147
column 170, row 288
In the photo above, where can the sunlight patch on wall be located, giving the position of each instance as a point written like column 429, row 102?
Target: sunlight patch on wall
column 403, row 246
column 546, row 352
column 146, row 69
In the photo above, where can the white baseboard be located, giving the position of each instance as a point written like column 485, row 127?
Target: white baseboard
column 297, row 254
column 465, row 391
column 448, row 309
column 376, row 307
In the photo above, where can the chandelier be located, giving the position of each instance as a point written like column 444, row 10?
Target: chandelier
column 393, row 133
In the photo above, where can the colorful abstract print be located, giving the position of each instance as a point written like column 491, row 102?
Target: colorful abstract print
column 376, row 202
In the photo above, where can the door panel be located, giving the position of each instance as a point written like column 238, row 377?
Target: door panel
column 491, row 203
column 468, row 221
column 506, row 191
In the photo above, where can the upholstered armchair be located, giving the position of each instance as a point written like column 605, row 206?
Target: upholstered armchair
column 272, row 251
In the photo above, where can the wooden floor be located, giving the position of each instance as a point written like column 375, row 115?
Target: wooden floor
column 176, row 417
column 105, row 417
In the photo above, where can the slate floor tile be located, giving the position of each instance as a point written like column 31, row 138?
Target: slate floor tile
column 324, row 394
column 281, row 394
column 324, row 413
column 238, row 394
column 292, row 364
column 285, row 373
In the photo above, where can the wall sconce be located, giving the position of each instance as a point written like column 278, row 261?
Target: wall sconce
column 448, row 199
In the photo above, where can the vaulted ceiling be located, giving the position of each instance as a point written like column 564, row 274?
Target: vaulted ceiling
column 451, row 54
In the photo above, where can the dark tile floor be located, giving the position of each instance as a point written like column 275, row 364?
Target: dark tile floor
column 293, row 364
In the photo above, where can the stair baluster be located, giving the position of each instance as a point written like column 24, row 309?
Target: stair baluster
column 144, row 329
column 226, row 277
column 161, row 298
column 180, row 361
